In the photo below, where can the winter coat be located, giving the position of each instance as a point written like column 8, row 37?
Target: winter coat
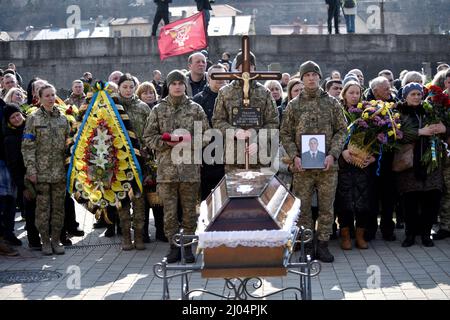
column 13, row 154
column 417, row 178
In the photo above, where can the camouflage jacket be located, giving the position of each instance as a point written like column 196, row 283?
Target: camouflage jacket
column 166, row 117
column 138, row 111
column 313, row 113
column 231, row 96
column 44, row 145
column 75, row 100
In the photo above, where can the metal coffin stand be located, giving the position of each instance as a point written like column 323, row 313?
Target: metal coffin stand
column 246, row 230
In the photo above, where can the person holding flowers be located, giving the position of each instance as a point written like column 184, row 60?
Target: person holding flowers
column 355, row 193
column 420, row 187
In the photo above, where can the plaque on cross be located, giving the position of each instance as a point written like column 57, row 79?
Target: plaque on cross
column 248, row 116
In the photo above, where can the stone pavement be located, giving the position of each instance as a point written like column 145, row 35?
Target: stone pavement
column 111, row 274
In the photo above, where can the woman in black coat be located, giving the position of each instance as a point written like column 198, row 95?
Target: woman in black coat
column 13, row 132
column 355, row 194
column 420, row 191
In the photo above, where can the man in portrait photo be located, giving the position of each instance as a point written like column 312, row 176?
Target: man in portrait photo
column 313, row 158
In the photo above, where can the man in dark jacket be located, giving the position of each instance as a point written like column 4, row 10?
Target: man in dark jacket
column 334, row 7
column 211, row 174
column 205, row 6
column 162, row 13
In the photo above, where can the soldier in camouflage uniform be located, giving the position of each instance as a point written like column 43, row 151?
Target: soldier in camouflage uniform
column 176, row 111
column 231, row 96
column 43, row 149
column 77, row 97
column 138, row 112
column 315, row 112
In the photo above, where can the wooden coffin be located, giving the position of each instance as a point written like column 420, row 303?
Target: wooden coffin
column 238, row 222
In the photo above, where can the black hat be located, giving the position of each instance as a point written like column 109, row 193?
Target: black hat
column 9, row 109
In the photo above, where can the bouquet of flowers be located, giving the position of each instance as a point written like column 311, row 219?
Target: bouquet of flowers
column 437, row 108
column 150, row 180
column 374, row 127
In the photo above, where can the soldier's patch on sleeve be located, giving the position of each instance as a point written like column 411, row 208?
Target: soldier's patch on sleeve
column 29, row 136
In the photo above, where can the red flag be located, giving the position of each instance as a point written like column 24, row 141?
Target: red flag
column 182, row 36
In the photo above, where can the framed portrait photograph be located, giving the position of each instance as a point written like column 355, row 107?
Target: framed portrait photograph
column 313, row 151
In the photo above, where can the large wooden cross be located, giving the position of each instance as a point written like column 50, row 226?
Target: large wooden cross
column 248, row 116
column 246, row 75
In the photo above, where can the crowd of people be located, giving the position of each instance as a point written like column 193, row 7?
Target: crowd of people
column 37, row 127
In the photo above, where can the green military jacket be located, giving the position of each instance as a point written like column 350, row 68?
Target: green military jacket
column 231, row 96
column 313, row 113
column 138, row 112
column 44, row 145
column 166, row 117
column 76, row 100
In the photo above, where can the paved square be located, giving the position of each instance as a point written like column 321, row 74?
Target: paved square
column 111, row 274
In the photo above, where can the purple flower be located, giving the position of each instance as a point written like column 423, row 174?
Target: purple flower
column 382, row 138
column 354, row 110
column 362, row 123
column 399, row 134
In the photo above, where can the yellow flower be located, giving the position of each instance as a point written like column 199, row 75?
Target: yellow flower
column 360, row 105
column 116, row 186
column 123, row 165
column 399, row 125
column 373, row 102
column 383, row 112
column 110, row 196
column 390, row 133
column 365, row 116
column 121, row 176
column 122, row 155
column 118, row 143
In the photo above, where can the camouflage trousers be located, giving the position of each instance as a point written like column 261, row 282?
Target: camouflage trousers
column 303, row 187
column 444, row 217
column 138, row 206
column 188, row 192
column 50, row 209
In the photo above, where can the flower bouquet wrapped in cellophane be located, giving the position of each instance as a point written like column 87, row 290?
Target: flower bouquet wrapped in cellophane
column 374, row 127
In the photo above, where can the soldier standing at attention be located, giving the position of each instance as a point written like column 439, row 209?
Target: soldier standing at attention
column 314, row 112
column 138, row 112
column 176, row 180
column 230, row 97
column 43, row 149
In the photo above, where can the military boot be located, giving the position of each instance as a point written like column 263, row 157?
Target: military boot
column 188, row 255
column 323, row 254
column 139, row 239
column 360, row 241
column 46, row 245
column 174, row 254
column 57, row 247
column 346, row 242
column 126, row 237
column 6, row 250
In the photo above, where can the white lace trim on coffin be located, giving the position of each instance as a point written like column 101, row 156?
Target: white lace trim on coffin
column 258, row 238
